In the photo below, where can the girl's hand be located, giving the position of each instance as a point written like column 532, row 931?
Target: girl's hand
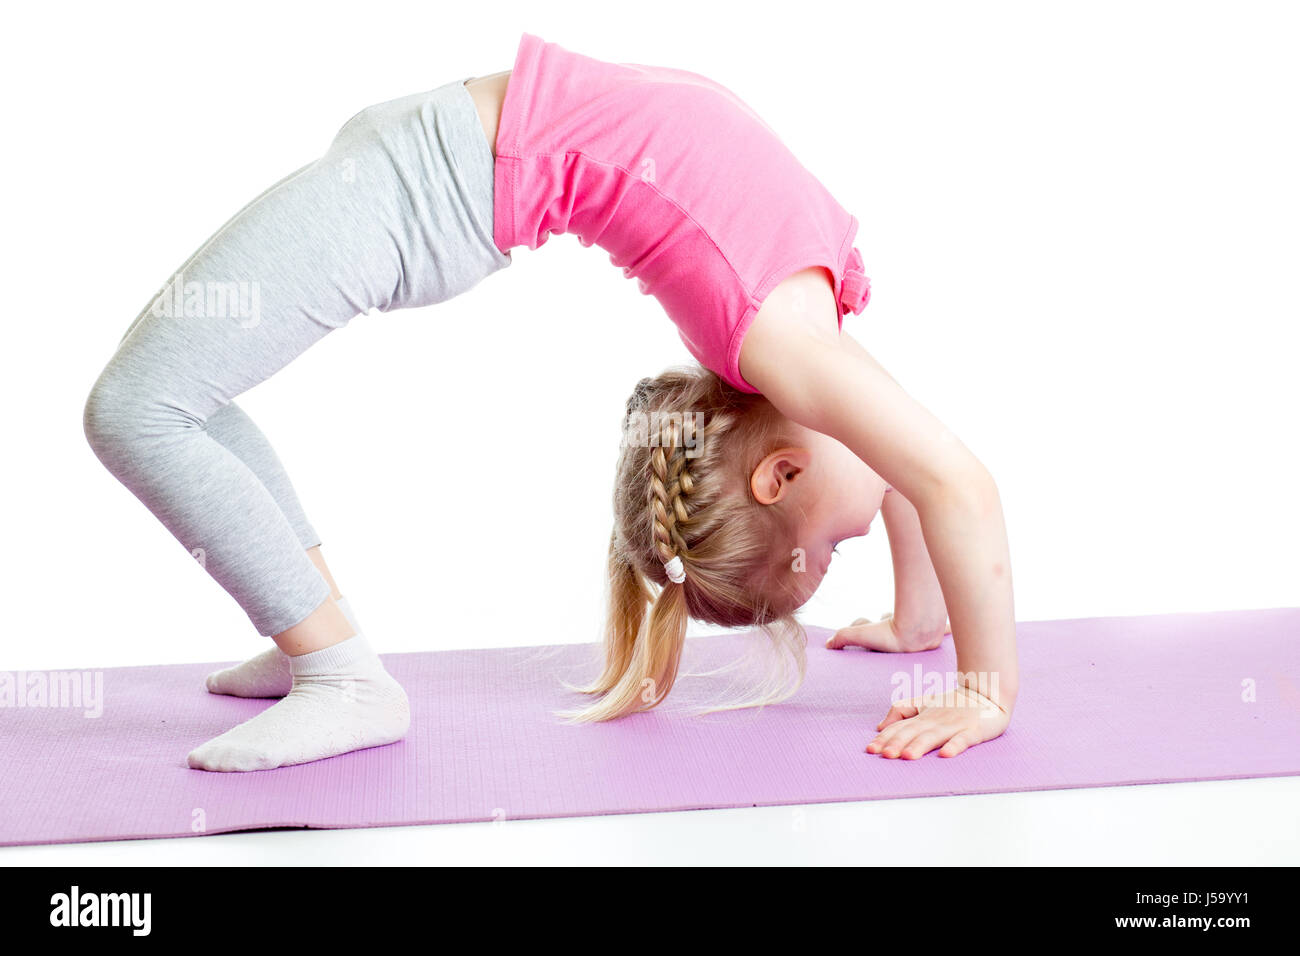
column 952, row 722
column 885, row 635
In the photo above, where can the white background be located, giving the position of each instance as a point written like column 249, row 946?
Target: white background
column 1080, row 224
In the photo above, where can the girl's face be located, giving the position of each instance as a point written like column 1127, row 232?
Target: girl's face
column 830, row 487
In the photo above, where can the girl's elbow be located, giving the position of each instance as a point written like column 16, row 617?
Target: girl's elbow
column 970, row 487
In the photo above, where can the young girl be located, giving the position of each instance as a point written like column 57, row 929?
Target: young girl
column 730, row 501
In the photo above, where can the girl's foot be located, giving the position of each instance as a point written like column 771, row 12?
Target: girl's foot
column 267, row 674
column 341, row 700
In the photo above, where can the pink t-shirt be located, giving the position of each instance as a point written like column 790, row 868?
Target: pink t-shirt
column 685, row 187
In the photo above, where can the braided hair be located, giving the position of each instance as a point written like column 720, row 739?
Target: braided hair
column 670, row 486
column 682, row 502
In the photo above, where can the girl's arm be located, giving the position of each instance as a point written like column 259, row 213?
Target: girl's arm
column 816, row 375
column 920, row 614
column 920, row 617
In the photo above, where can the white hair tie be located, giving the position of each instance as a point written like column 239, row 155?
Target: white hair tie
column 676, row 571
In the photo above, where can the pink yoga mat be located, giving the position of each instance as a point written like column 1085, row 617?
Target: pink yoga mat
column 1103, row 701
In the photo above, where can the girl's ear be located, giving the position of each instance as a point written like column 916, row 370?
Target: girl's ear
column 775, row 475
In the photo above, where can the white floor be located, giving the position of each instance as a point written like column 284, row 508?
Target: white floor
column 1221, row 823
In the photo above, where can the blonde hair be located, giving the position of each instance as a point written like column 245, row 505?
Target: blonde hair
column 690, row 444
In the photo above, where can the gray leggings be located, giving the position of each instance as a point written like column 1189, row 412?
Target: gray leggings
column 397, row 214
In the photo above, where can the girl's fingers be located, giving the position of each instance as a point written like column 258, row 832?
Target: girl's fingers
column 901, row 710
column 895, row 745
column 864, row 632
column 874, row 637
column 924, row 742
column 890, row 736
column 956, row 744
column 912, row 738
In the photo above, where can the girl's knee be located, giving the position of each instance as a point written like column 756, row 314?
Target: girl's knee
column 105, row 417
column 122, row 416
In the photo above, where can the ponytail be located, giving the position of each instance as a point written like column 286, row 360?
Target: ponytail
column 642, row 651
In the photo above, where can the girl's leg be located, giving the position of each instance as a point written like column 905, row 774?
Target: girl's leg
column 398, row 213
column 233, row 429
column 267, row 674
column 318, row 559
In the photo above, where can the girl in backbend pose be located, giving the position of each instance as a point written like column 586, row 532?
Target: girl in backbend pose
column 738, row 478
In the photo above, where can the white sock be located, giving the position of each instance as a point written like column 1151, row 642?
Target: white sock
column 342, row 700
column 267, row 674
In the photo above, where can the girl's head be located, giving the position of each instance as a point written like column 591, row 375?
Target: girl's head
column 752, row 505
